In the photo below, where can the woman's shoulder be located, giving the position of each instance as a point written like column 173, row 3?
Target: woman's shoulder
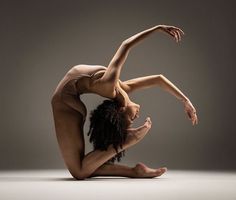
column 85, row 69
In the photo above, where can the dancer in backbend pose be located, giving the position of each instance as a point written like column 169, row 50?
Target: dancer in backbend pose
column 110, row 123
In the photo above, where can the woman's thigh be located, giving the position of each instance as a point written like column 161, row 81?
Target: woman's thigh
column 69, row 131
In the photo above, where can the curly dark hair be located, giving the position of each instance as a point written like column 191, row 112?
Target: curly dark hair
column 108, row 126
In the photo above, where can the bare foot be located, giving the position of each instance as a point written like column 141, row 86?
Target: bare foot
column 142, row 171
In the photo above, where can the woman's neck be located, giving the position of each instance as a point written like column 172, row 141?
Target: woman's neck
column 122, row 97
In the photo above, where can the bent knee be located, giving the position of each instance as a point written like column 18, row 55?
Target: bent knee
column 80, row 175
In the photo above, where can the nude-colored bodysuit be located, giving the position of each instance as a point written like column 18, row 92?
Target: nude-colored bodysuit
column 69, row 112
column 68, row 90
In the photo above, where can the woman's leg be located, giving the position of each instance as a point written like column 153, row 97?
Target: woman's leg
column 108, row 169
column 69, row 130
column 139, row 171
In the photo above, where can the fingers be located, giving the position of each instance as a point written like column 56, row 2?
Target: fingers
column 192, row 116
column 148, row 119
column 173, row 31
column 176, row 33
column 194, row 119
column 189, row 115
column 191, row 112
column 179, row 30
column 148, row 122
column 179, row 36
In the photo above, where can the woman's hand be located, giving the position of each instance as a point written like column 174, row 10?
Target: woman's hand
column 173, row 31
column 135, row 135
column 191, row 112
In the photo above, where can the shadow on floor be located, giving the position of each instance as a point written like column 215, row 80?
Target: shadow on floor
column 55, row 179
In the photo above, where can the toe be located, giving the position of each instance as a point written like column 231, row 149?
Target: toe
column 164, row 169
column 161, row 171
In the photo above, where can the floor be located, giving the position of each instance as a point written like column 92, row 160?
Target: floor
column 58, row 184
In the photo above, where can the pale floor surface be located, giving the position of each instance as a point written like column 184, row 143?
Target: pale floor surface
column 58, row 184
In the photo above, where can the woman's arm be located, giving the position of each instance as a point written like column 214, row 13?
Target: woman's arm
column 112, row 73
column 151, row 81
column 162, row 82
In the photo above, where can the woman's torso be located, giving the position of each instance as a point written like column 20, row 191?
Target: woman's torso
column 77, row 80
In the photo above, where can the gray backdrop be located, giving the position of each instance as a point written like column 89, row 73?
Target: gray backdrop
column 42, row 40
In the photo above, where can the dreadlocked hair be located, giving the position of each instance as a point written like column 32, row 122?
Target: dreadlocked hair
column 108, row 126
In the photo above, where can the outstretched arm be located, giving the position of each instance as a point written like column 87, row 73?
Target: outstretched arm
column 152, row 81
column 162, row 82
column 112, row 73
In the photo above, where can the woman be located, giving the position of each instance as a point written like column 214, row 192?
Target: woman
column 116, row 115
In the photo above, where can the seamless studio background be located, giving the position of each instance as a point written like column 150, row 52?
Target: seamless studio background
column 42, row 40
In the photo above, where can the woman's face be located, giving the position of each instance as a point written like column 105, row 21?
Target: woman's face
column 131, row 112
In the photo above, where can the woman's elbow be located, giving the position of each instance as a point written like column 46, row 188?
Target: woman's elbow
column 160, row 79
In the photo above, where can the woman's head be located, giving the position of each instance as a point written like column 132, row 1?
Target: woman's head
column 108, row 125
column 130, row 112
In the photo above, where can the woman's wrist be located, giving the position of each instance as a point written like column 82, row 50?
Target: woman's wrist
column 184, row 100
column 159, row 27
